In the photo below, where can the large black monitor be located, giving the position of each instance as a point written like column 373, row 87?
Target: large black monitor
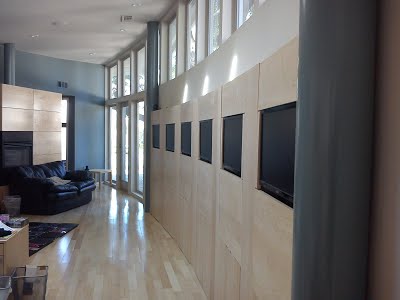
column 206, row 141
column 156, row 136
column 232, row 144
column 277, row 149
column 186, row 138
column 170, row 137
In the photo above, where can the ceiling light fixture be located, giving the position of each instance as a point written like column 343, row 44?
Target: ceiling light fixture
column 34, row 35
column 122, row 30
column 136, row 4
column 92, row 53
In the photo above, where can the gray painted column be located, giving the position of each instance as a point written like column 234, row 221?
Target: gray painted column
column 333, row 154
column 151, row 101
column 9, row 64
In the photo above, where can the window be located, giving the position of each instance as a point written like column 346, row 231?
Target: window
column 141, row 65
column 140, row 147
column 64, row 117
column 114, row 82
column 172, row 49
column 214, row 25
column 245, row 9
column 126, row 65
column 191, row 34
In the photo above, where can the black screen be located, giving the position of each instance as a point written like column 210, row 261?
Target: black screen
column 278, row 135
column 232, row 144
column 186, row 138
column 156, row 136
column 170, row 137
column 206, row 141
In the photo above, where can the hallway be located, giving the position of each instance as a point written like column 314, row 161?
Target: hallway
column 116, row 252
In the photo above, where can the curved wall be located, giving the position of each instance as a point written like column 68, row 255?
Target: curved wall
column 273, row 25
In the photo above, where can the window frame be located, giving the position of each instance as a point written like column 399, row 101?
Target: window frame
column 188, row 34
column 169, row 63
column 114, row 65
column 123, row 59
column 209, row 51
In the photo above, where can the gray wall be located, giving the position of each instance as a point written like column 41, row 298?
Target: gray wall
column 86, row 84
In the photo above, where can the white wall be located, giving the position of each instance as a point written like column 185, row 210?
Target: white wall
column 273, row 25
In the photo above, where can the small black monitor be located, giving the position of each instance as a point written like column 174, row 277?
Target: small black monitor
column 156, row 136
column 186, row 138
column 206, row 141
column 232, row 144
column 277, row 151
column 170, row 137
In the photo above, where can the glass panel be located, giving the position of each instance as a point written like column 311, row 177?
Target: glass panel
column 191, row 31
column 114, row 82
column 113, row 142
column 214, row 33
column 63, row 143
column 127, row 76
column 141, row 69
column 140, row 146
column 125, row 144
column 172, row 49
column 245, row 10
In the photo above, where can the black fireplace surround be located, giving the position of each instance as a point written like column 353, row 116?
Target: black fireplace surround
column 16, row 148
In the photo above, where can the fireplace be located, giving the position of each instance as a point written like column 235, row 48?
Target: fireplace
column 16, row 148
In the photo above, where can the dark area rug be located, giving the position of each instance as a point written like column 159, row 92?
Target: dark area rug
column 43, row 234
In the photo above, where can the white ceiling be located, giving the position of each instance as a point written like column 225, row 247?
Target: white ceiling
column 71, row 29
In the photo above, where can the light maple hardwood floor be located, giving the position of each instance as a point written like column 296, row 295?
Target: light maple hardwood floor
column 116, row 252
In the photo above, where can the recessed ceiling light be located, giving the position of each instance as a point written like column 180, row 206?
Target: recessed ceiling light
column 136, row 4
column 92, row 53
column 122, row 30
column 34, row 35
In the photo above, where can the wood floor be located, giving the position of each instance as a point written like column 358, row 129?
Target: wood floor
column 117, row 252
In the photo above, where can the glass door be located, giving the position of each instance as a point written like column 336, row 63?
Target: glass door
column 139, row 147
column 125, row 119
column 113, row 142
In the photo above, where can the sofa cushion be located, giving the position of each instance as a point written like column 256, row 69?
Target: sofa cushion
column 30, row 172
column 56, row 168
column 82, row 184
column 63, row 188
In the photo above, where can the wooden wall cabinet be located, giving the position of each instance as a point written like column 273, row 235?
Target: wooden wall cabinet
column 24, row 109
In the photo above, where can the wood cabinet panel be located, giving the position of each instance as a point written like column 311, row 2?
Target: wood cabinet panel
column 46, row 158
column 46, row 121
column 16, row 97
column 15, row 119
column 47, row 101
column 46, row 142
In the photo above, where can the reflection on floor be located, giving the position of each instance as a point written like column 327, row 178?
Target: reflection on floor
column 117, row 252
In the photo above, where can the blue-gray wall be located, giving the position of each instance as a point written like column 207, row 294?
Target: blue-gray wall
column 86, row 84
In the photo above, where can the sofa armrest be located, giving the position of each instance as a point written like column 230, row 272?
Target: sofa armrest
column 33, row 192
column 78, row 175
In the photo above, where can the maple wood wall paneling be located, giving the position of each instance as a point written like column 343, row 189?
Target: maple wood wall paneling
column 187, row 181
column 208, row 107
column 46, row 126
column 272, row 221
column 157, row 169
column 171, row 203
column 16, row 108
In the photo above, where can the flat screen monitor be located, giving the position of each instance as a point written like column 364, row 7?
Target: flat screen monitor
column 277, row 149
column 170, row 137
column 186, row 138
column 206, row 141
column 232, row 144
column 156, row 136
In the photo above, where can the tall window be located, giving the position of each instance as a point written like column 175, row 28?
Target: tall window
column 114, row 82
column 172, row 49
column 140, row 147
column 245, row 9
column 126, row 65
column 64, row 117
column 141, row 68
column 113, row 141
column 191, row 34
column 214, row 25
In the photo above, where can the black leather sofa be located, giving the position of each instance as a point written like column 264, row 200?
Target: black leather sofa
column 40, row 196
